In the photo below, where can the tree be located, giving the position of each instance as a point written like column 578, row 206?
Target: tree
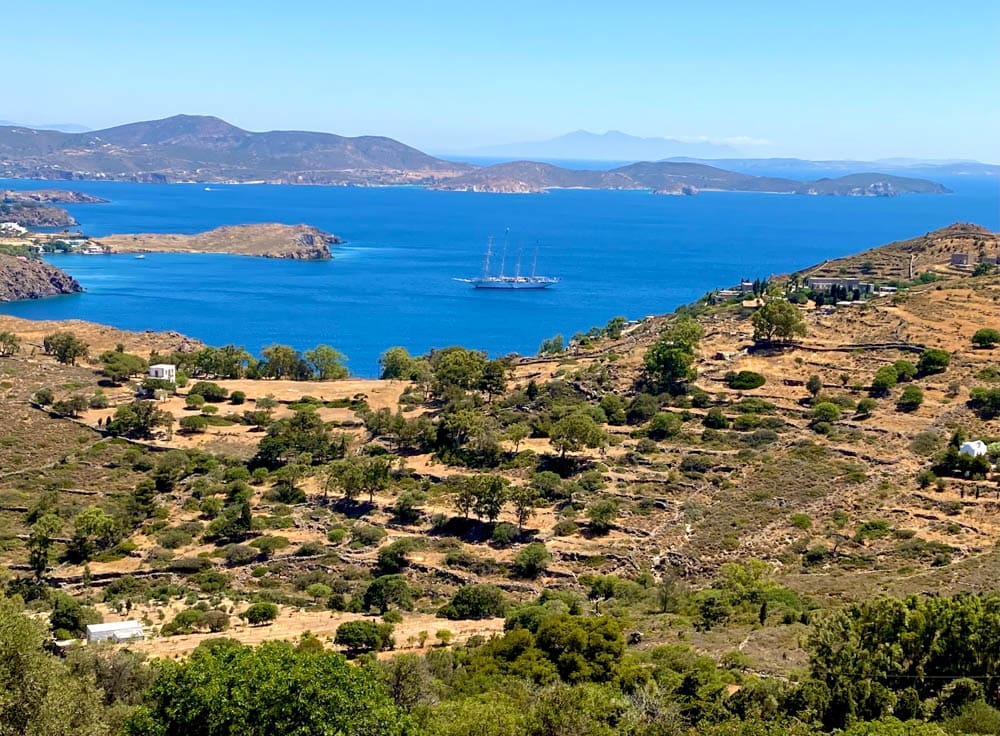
column 282, row 361
column 209, row 391
column 326, row 362
column 71, row 406
column 139, row 419
column 615, row 326
column 397, row 363
column 524, row 499
column 362, row 636
column 261, row 613
column 668, row 363
column 65, row 347
column 552, row 346
column 119, row 366
column 490, row 493
column 40, row 697
column 933, row 360
column 985, row 337
column 911, row 399
column 814, row 385
column 387, row 591
column 494, row 378
column 10, row 344
column 376, row 474
column 602, row 515
column 777, row 321
column 465, row 497
column 274, row 688
column 93, row 529
column 475, row 602
column 884, row 381
column 574, row 432
column 40, row 541
column 532, row 561
column 458, row 367
column 517, row 433
column 664, row 424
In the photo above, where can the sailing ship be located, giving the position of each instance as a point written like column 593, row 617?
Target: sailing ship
column 503, row 281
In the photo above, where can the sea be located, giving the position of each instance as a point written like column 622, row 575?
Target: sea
column 393, row 282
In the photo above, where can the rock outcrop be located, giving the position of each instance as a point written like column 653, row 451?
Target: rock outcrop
column 27, row 278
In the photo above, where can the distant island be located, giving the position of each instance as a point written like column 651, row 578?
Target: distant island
column 191, row 148
column 33, row 208
column 269, row 240
column 28, row 278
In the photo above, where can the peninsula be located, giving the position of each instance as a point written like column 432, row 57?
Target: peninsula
column 197, row 148
column 269, row 240
column 33, row 208
column 29, row 278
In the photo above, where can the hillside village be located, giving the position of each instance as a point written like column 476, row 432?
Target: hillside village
column 825, row 436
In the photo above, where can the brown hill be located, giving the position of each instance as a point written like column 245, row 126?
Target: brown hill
column 270, row 240
column 26, row 278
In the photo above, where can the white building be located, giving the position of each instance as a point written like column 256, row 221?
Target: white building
column 12, row 228
column 975, row 448
column 165, row 371
column 118, row 631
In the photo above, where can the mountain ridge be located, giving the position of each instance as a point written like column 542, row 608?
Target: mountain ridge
column 204, row 148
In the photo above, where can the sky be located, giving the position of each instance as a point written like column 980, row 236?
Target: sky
column 843, row 79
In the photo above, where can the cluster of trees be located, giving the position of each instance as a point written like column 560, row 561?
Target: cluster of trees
column 276, row 361
column 65, row 347
column 10, row 344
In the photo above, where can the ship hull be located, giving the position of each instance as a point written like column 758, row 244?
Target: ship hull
column 511, row 286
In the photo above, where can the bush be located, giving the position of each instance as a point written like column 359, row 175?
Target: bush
column 210, row 391
column 602, row 515
column 715, row 419
column 986, row 337
column 745, row 380
column 933, row 360
column 911, row 399
column 865, row 407
column 825, row 412
column 664, row 424
column 531, row 561
column 364, row 636
column 885, row 379
column 194, row 424
column 504, row 534
column 261, row 613
column 237, row 397
column 194, row 401
column 475, row 602
column 366, row 535
column 240, row 554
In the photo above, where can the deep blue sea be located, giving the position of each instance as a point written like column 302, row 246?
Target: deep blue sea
column 392, row 283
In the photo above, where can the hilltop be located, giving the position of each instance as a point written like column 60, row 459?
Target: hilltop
column 207, row 149
column 268, row 240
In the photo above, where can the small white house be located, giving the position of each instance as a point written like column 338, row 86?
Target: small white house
column 118, row 631
column 975, row 448
column 165, row 371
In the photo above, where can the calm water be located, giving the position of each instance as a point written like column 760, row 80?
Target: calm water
column 628, row 253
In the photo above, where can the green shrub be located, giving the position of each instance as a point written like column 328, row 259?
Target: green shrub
column 745, row 380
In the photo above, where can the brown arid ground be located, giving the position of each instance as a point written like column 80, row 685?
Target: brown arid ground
column 769, row 487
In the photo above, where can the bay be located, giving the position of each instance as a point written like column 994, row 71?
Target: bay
column 392, row 282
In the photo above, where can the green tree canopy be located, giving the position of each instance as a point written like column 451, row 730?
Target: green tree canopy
column 777, row 321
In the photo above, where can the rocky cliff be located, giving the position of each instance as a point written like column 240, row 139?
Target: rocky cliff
column 35, row 215
column 25, row 278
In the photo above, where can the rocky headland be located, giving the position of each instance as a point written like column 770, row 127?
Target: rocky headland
column 27, row 278
column 269, row 240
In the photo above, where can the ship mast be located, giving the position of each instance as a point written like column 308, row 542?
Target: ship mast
column 503, row 257
column 489, row 252
column 534, row 262
column 520, row 249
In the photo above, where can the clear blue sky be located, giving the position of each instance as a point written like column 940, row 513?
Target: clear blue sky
column 877, row 78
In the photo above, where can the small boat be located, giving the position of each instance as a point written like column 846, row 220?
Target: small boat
column 139, row 256
column 502, row 281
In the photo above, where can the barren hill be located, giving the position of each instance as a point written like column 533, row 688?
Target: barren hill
column 26, row 278
column 273, row 240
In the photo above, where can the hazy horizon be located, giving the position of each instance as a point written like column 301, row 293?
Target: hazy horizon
column 855, row 81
